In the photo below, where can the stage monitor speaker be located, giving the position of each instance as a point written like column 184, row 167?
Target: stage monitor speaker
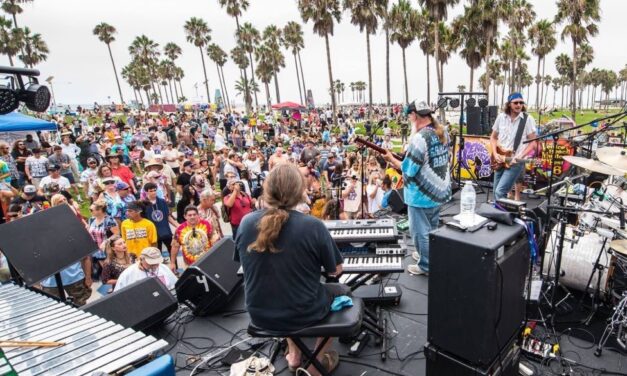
column 473, row 121
column 140, row 306
column 396, row 201
column 441, row 363
column 212, row 281
column 489, row 117
column 473, row 314
column 44, row 243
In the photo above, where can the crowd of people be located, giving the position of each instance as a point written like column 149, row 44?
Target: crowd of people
column 154, row 180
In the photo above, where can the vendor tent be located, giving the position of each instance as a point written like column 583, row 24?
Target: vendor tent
column 288, row 106
column 17, row 122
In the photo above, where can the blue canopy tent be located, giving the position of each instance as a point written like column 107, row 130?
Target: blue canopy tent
column 15, row 126
column 18, row 122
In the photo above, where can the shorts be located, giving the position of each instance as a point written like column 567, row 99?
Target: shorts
column 69, row 176
column 77, row 290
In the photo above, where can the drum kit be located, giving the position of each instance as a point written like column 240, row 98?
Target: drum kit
column 594, row 249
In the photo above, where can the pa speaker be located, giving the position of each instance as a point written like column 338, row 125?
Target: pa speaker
column 140, row 306
column 396, row 202
column 473, row 121
column 212, row 281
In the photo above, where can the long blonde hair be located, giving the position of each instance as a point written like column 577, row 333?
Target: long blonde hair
column 111, row 253
column 282, row 190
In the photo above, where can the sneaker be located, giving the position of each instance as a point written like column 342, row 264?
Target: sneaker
column 415, row 256
column 415, row 270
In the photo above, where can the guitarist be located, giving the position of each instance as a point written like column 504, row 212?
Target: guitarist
column 426, row 177
column 508, row 131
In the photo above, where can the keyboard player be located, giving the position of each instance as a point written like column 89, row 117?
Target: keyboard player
column 427, row 183
column 282, row 252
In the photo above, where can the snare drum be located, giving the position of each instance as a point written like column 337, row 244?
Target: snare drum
column 578, row 257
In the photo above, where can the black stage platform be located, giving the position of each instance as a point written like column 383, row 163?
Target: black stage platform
column 193, row 337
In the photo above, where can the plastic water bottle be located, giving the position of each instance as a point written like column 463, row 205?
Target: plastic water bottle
column 468, row 203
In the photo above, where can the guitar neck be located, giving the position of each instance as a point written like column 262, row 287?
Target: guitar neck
column 376, row 148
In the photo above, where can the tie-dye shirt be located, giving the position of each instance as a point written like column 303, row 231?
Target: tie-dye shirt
column 426, row 177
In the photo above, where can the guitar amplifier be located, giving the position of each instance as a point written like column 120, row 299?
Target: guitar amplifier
column 476, row 287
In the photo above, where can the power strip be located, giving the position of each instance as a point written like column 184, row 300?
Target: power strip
column 538, row 348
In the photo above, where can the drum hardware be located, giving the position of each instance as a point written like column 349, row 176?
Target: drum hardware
column 617, row 326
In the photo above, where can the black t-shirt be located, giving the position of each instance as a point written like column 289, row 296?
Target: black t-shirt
column 283, row 289
column 184, row 179
column 35, row 204
column 16, row 154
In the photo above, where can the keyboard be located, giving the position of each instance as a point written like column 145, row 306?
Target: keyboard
column 362, row 230
column 373, row 264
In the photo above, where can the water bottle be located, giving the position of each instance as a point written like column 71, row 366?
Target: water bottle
column 467, row 207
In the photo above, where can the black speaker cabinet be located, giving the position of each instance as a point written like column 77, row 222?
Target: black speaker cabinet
column 473, row 120
column 212, row 281
column 440, row 363
column 396, row 202
column 140, row 306
column 476, row 284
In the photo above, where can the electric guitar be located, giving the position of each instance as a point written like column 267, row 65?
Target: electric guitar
column 399, row 182
column 508, row 157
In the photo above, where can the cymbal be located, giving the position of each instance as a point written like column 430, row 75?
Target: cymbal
column 592, row 165
column 614, row 156
column 620, row 246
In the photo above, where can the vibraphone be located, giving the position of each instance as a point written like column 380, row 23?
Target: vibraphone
column 91, row 344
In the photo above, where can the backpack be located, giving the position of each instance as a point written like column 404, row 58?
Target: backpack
column 224, row 213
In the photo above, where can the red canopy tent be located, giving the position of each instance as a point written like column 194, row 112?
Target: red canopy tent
column 289, row 106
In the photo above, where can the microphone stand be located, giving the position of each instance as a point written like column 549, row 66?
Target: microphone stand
column 364, row 196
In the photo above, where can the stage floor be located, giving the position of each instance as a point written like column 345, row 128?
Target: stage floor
column 192, row 337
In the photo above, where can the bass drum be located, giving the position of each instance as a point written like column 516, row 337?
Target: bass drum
column 578, row 257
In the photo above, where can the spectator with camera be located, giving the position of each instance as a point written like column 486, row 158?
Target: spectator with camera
column 237, row 204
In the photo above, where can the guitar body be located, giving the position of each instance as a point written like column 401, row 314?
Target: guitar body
column 508, row 155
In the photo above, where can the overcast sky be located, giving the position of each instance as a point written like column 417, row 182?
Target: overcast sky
column 82, row 70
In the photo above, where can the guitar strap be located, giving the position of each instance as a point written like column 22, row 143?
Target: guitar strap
column 519, row 132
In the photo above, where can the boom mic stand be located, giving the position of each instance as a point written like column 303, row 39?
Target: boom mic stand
column 362, row 150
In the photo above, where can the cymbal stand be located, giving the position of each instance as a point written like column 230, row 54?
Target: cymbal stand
column 598, row 269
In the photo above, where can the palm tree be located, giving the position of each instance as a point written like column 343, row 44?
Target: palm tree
column 235, row 8
column 244, row 89
column 383, row 14
column 425, row 35
column 105, row 32
column 338, row 89
column 248, row 37
column 293, row 39
column 438, row 9
column 564, row 67
column 179, row 73
column 489, row 12
column 273, row 38
column 265, row 70
column 13, row 8
column 547, row 82
column 145, row 50
column 520, row 14
column 580, row 17
column 467, row 27
column 35, row 49
column 622, row 76
column 449, row 43
column 238, row 55
column 404, row 21
column 556, row 83
column 542, row 37
column 197, row 33
column 11, row 39
column 323, row 14
column 364, row 13
column 218, row 56
column 173, row 51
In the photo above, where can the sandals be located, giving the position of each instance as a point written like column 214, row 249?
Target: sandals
column 331, row 360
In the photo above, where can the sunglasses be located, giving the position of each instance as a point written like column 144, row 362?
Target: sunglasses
column 520, row 103
column 108, row 182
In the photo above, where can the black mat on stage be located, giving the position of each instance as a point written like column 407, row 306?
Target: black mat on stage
column 407, row 323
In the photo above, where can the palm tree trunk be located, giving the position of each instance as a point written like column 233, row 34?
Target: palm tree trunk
column 503, row 87
column 405, row 77
column 204, row 71
column 472, row 78
column 135, row 94
column 171, row 93
column 160, row 94
column 369, row 76
column 543, row 92
column 546, row 92
column 333, row 104
column 302, row 78
column 115, row 72
column 252, row 75
column 176, row 91
column 538, row 81
column 276, row 88
column 11, row 60
column 181, row 88
column 487, row 67
column 494, row 93
column 562, row 106
column 300, row 93
column 148, row 97
column 387, row 65
column 268, row 101
column 221, row 87
column 226, row 92
column 428, row 81
column 554, row 93
column 165, row 90
column 573, row 93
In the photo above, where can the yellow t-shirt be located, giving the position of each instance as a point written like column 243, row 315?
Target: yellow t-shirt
column 138, row 235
